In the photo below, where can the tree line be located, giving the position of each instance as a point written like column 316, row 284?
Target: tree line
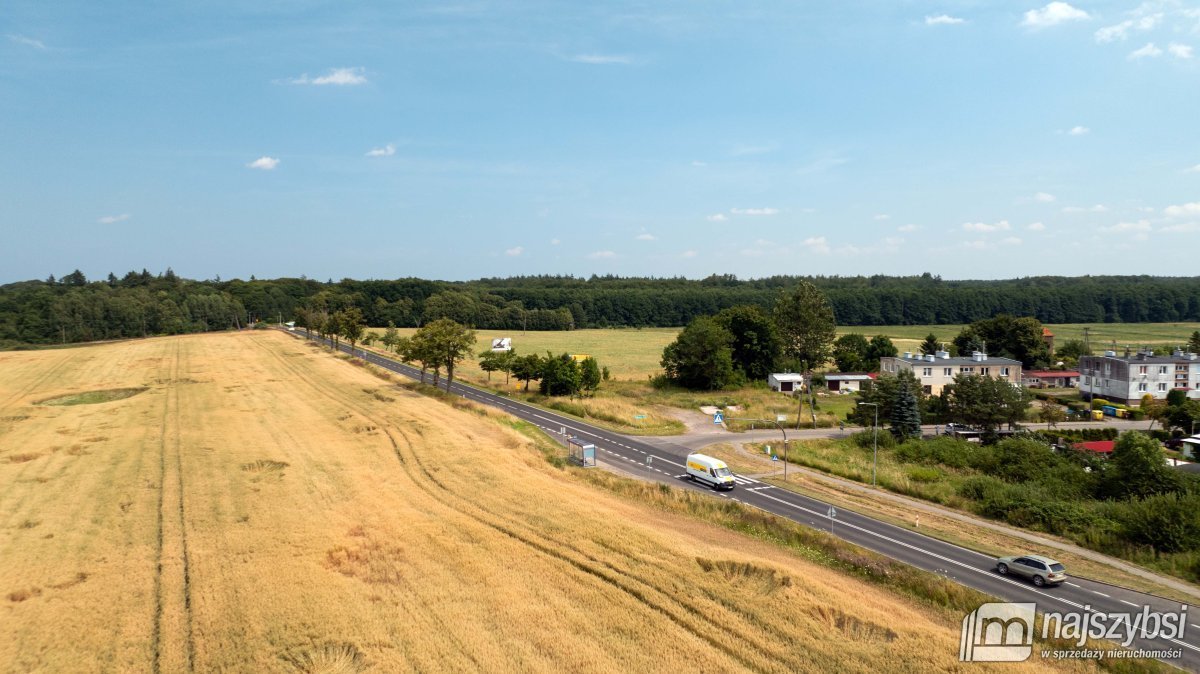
column 73, row 308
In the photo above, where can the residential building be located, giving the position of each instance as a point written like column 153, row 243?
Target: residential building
column 786, row 382
column 1050, row 378
column 846, row 382
column 1126, row 379
column 938, row 370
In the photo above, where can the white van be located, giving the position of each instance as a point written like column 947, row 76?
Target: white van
column 709, row 471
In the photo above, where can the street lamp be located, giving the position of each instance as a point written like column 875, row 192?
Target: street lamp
column 785, row 461
column 875, row 440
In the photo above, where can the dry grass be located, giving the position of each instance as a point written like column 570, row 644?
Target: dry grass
column 439, row 540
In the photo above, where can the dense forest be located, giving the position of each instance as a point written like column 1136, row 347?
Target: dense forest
column 74, row 308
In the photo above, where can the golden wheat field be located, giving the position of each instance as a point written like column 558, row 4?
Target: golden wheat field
column 247, row 502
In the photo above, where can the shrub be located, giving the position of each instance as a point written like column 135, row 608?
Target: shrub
column 924, row 474
column 866, row 439
column 1166, row 522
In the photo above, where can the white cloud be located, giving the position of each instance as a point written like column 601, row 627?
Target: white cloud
column 1010, row 241
column 985, row 227
column 717, row 217
column 111, row 219
column 1180, row 51
column 602, row 59
column 555, row 242
column 27, row 41
column 1053, row 14
column 1139, row 226
column 698, row 163
column 907, row 228
column 1182, row 227
column 1149, row 51
column 514, row 251
column 1035, row 227
column 385, row 151
column 1194, row 169
column 688, row 254
column 754, row 211
column 264, row 163
column 1079, row 131
column 335, row 76
column 645, row 237
column 883, row 216
column 1043, row 198
column 1121, row 30
column 943, row 20
column 817, row 244
column 1192, row 208
column 1098, row 208
column 602, row 255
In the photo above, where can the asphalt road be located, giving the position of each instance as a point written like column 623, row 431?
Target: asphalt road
column 970, row 568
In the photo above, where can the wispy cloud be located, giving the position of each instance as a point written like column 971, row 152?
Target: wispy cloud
column 112, row 219
column 1194, row 169
column 1149, row 51
column 1121, row 30
column 744, row 149
column 817, row 244
column 603, row 59
column 1035, row 227
column 754, row 211
column 1181, row 227
column 1138, row 231
column 1052, row 15
column 1098, row 208
column 514, row 251
column 555, row 242
column 645, row 236
column 264, row 163
column 717, row 217
column 602, row 255
column 1043, row 197
column 985, row 227
column 698, row 163
column 907, row 228
column 688, row 254
column 1078, row 131
column 943, row 20
column 882, row 216
column 27, row 41
column 1192, row 208
column 334, row 76
column 1180, row 51
column 385, row 151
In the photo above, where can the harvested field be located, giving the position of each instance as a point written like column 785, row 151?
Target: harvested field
column 230, row 517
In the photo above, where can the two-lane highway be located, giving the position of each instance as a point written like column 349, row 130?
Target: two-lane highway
column 964, row 566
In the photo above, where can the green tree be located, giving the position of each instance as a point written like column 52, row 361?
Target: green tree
column 756, row 345
column 1138, row 469
column 986, row 402
column 881, row 346
column 1008, row 337
column 350, row 325
column 589, row 375
column 489, row 361
column 905, row 413
column 560, row 375
column 1194, row 343
column 850, row 352
column 931, row 345
column 1167, row 522
column 527, row 368
column 806, row 324
column 1070, row 351
column 884, row 391
column 1185, row 417
column 701, row 356
column 1051, row 413
column 390, row 336
column 450, row 342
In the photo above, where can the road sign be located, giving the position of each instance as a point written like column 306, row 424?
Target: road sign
column 781, row 418
column 832, row 512
column 639, row 416
column 718, row 418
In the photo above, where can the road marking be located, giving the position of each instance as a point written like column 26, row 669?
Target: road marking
column 1102, row 594
column 1127, row 602
column 1072, row 584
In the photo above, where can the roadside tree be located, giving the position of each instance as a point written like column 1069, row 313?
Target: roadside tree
column 806, row 324
column 700, row 357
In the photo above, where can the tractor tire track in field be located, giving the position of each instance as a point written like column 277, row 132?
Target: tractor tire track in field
column 172, row 640
column 653, row 597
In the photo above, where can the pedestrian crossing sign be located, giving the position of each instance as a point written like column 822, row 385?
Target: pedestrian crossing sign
column 718, row 418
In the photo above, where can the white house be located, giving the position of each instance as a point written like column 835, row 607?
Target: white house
column 1191, row 447
column 786, row 382
column 846, row 382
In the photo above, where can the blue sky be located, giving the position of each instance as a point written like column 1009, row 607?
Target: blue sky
column 964, row 138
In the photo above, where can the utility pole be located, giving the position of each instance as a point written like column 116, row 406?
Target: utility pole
column 875, row 441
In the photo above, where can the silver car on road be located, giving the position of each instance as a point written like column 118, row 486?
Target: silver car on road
column 1041, row 570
